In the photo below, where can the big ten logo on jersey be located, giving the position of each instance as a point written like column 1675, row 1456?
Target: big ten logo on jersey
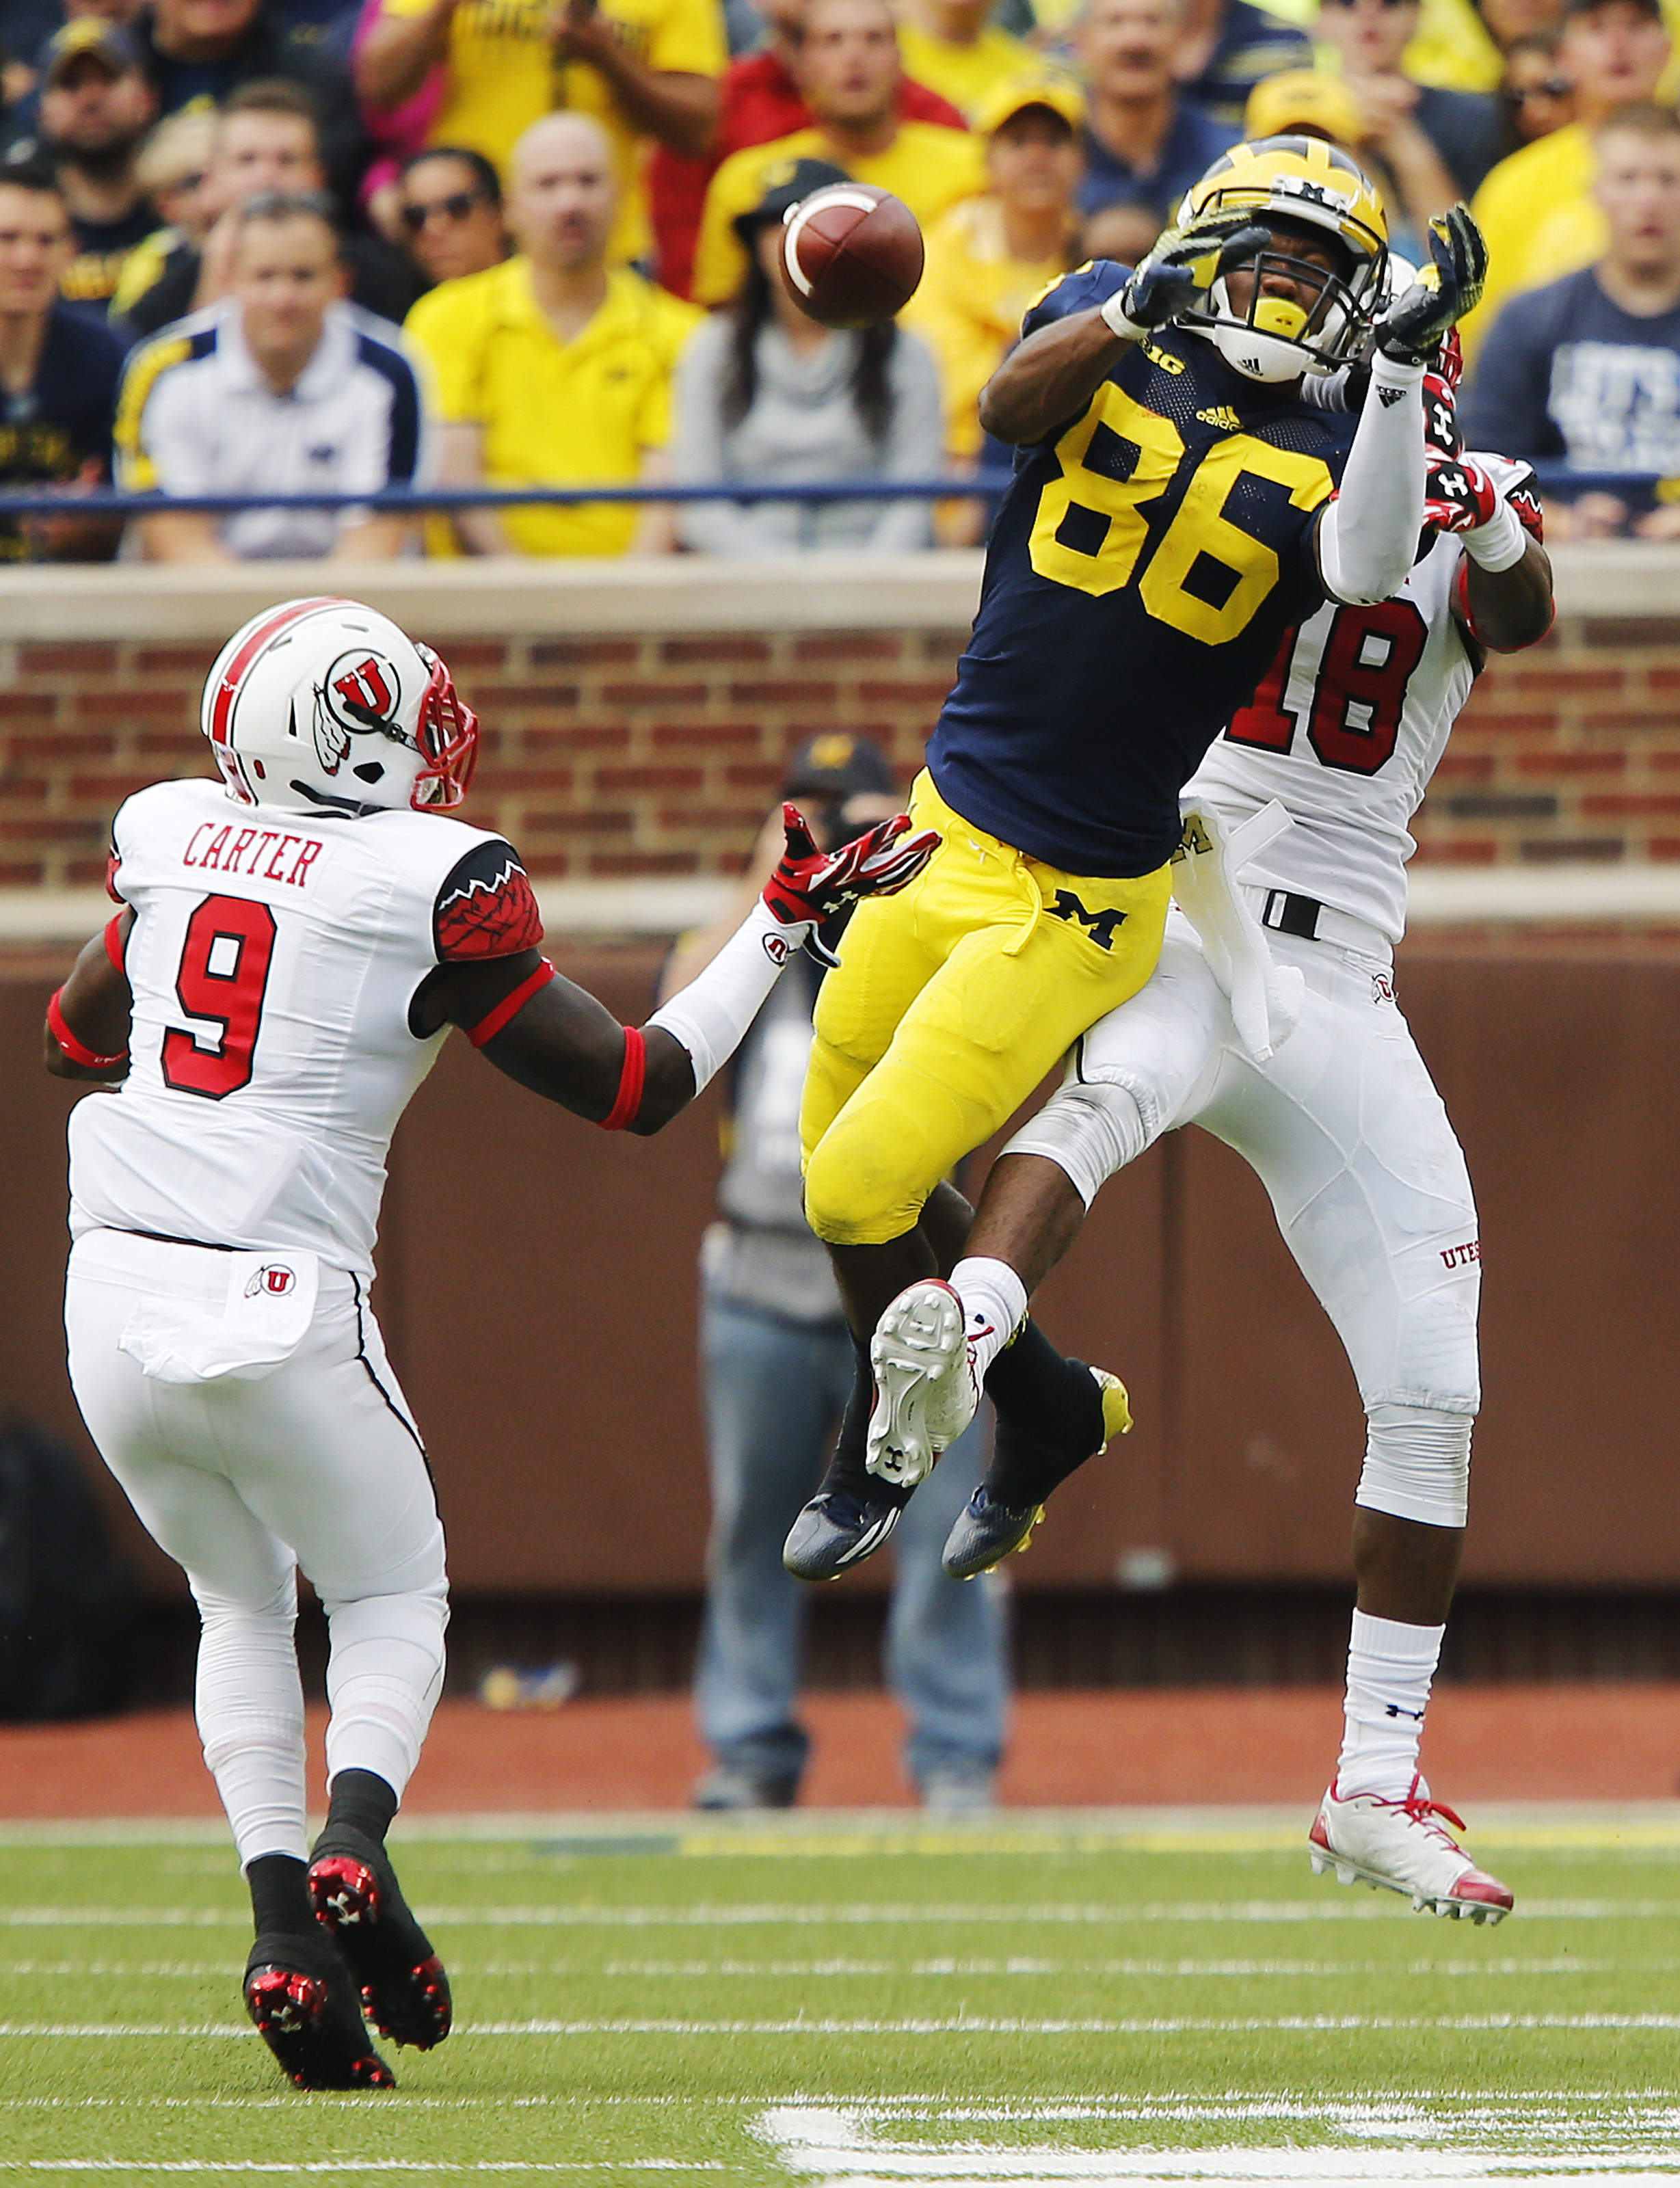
column 273, row 1280
column 270, row 854
column 1099, row 524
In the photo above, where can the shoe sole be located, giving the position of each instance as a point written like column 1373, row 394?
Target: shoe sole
column 290, row 2010
column 406, row 1996
column 1351, row 1870
column 917, row 1343
column 961, row 1567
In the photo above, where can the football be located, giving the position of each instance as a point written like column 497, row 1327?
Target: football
column 853, row 255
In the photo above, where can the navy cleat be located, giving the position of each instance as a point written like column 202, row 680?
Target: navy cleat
column 355, row 1894
column 984, row 1534
column 836, row 1530
column 302, row 1998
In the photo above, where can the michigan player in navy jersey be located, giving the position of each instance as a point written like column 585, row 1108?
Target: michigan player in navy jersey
column 1175, row 509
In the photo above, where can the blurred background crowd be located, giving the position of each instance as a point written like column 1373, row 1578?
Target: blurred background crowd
column 265, row 246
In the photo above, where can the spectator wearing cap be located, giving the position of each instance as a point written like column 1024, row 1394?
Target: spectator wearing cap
column 198, row 52
column 1224, row 47
column 96, row 106
column 1538, row 96
column 1143, row 139
column 758, row 101
column 765, row 396
column 1587, row 370
column 1437, row 144
column 450, row 214
column 1302, row 102
column 851, row 75
column 58, row 373
column 554, row 369
column 991, row 255
column 265, row 142
column 777, row 1364
column 280, row 388
column 957, row 47
column 646, row 70
column 1536, row 208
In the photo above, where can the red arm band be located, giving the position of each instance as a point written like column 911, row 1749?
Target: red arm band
column 509, row 1006
column 624, row 1108
column 78, row 1051
column 114, row 943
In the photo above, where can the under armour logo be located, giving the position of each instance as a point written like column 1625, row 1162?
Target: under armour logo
column 1387, row 396
column 1099, row 925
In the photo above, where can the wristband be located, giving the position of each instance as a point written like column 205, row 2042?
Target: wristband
column 1113, row 313
column 631, row 1081
column 509, row 1006
column 1500, row 544
column 78, row 1051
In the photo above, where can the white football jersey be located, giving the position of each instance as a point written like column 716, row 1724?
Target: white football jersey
column 273, row 959
column 1346, row 731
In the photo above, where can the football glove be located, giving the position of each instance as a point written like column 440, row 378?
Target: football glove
column 1411, row 328
column 809, row 885
column 1180, row 265
column 1459, row 494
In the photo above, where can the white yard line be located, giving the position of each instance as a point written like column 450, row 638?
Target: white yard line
column 1311, row 2024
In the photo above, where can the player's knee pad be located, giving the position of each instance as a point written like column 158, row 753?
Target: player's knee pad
column 1089, row 1131
column 1417, row 1465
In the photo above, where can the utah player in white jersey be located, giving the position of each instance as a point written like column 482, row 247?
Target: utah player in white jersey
column 1341, row 1123
column 295, row 940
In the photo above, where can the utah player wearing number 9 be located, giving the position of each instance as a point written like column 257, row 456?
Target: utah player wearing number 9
column 1342, row 1123
column 1174, row 510
column 294, row 943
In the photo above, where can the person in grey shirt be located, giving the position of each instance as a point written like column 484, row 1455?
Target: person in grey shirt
column 765, row 395
column 777, row 1366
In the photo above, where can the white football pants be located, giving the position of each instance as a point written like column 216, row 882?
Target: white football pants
column 1346, row 1132
column 318, row 1465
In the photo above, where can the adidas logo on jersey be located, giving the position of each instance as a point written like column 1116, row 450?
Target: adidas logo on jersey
column 1221, row 414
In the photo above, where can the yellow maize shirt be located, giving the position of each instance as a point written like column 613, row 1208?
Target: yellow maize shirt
column 928, row 166
column 1537, row 213
column 556, row 414
column 966, row 75
column 502, row 78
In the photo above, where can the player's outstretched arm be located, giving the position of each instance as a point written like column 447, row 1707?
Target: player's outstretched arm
column 85, row 1035
column 1513, row 607
column 554, row 1038
column 1507, row 574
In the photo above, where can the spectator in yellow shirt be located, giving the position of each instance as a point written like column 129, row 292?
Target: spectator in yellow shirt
column 851, row 75
column 1536, row 208
column 647, row 70
column 955, row 48
column 554, row 368
column 990, row 257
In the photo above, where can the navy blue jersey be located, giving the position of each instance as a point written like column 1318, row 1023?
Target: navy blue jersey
column 1148, row 559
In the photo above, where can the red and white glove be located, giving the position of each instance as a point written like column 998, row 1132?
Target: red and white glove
column 810, row 886
column 1459, row 494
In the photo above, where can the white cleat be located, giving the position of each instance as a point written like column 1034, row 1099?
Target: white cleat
column 925, row 1391
column 1404, row 1846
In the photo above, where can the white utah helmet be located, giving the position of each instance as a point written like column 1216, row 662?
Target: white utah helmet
column 326, row 706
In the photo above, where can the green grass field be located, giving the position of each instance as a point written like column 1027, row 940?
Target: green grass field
column 848, row 2004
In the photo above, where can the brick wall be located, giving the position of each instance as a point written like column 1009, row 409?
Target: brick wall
column 655, row 748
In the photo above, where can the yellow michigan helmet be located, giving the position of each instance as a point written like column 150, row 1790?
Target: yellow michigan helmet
column 1299, row 184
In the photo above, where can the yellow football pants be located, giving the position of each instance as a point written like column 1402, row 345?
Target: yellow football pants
column 951, row 1001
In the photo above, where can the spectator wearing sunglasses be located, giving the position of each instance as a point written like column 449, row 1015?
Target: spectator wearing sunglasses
column 1538, row 96
column 449, row 211
column 1438, row 145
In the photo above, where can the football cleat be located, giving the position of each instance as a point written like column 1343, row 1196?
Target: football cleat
column 1404, row 1846
column 302, row 1998
column 985, row 1532
column 355, row 1894
column 926, row 1391
column 836, row 1531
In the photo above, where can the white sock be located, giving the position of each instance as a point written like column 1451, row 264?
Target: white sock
column 994, row 1307
column 1391, row 1667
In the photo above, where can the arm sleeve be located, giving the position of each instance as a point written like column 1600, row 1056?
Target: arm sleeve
column 915, row 447
column 709, row 1016
column 485, row 907
column 1368, row 537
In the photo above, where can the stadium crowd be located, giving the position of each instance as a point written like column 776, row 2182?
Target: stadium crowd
column 253, row 246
